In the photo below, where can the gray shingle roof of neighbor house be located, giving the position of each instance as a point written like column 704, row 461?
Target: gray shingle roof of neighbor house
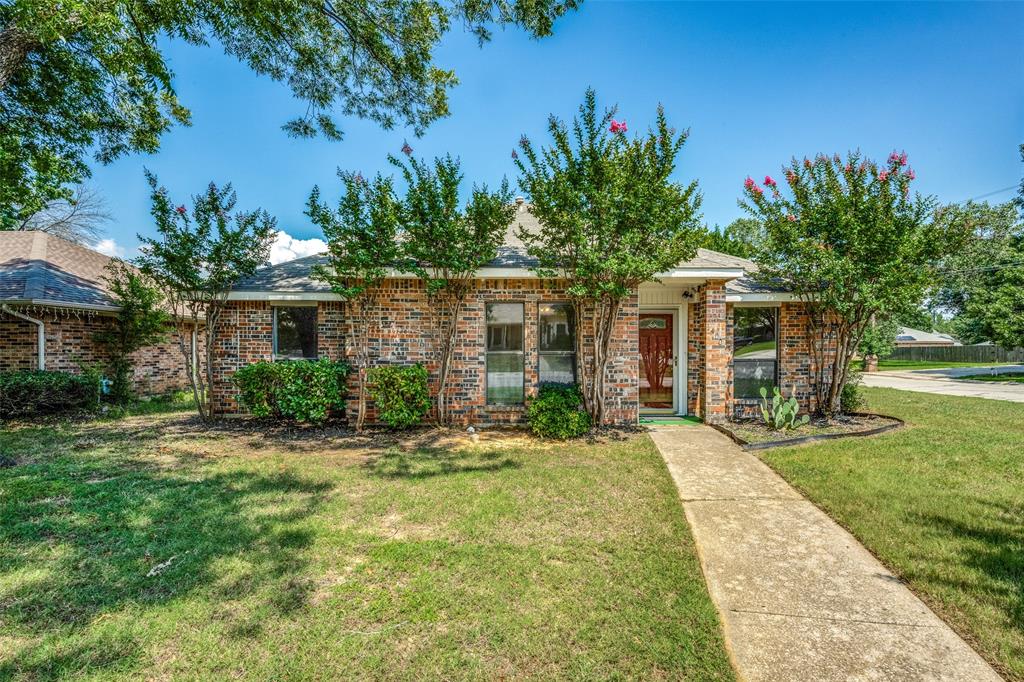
column 295, row 276
column 42, row 269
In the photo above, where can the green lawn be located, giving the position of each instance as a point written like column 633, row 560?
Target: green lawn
column 941, row 502
column 907, row 365
column 148, row 547
column 1006, row 377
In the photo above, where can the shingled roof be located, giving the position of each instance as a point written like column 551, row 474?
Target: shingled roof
column 42, row 269
column 295, row 276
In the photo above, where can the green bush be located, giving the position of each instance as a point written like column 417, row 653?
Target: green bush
column 851, row 399
column 402, row 394
column 32, row 393
column 557, row 412
column 299, row 390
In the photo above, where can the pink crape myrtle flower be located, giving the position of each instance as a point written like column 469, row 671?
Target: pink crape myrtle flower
column 883, row 175
column 757, row 189
column 847, row 168
column 406, row 149
column 618, row 126
column 911, row 175
column 749, row 183
column 180, row 210
column 769, row 181
column 791, row 218
column 807, row 163
column 790, row 177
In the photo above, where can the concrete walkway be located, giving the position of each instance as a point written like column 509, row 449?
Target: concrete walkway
column 799, row 597
column 943, row 382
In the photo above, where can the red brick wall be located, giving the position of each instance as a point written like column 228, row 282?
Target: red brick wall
column 69, row 345
column 403, row 340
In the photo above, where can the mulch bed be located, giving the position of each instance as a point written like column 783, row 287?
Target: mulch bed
column 754, row 435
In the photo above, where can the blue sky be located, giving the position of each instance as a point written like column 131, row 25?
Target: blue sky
column 755, row 83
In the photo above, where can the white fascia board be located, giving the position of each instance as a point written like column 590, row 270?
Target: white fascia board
column 284, row 296
column 780, row 297
column 702, row 273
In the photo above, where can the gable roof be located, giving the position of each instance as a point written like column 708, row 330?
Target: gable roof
column 512, row 260
column 42, row 269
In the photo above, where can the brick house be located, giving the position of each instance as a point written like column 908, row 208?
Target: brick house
column 701, row 340
column 53, row 299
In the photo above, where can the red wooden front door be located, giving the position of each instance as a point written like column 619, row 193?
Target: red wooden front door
column 656, row 360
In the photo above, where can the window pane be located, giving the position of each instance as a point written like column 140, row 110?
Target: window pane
column 754, row 351
column 754, row 333
column 558, row 368
column 556, row 328
column 750, row 375
column 295, row 333
column 504, row 326
column 504, row 378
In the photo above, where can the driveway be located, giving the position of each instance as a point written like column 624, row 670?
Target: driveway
column 944, row 382
column 800, row 598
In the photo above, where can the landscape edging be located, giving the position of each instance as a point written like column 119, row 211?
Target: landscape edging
column 746, row 445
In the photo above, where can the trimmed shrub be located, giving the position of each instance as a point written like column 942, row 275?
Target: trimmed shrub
column 557, row 412
column 402, row 394
column 30, row 393
column 852, row 397
column 298, row 390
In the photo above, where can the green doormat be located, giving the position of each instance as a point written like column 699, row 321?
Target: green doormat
column 669, row 420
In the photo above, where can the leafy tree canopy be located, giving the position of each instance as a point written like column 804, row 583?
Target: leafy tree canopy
column 195, row 260
column 849, row 238
column 610, row 219
column 739, row 238
column 89, row 75
column 983, row 283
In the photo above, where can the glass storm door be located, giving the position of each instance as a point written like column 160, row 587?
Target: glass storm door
column 657, row 360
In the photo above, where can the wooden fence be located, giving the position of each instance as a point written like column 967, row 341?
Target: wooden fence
column 958, row 354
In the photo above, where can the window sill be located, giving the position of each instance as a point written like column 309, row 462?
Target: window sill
column 504, row 408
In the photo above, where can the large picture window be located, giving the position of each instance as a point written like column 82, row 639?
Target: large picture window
column 504, row 353
column 295, row 336
column 755, row 351
column 556, row 343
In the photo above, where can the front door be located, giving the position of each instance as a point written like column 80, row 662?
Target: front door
column 657, row 362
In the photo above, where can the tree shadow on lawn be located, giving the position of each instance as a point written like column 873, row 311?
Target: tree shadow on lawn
column 995, row 548
column 86, row 536
column 429, row 462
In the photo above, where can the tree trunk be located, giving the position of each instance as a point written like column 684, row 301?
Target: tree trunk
column 15, row 46
column 605, row 315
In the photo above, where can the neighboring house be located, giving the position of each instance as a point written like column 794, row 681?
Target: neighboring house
column 915, row 338
column 702, row 340
column 53, row 298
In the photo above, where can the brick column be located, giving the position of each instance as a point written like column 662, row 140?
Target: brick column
column 715, row 370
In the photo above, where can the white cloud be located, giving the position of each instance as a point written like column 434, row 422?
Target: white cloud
column 108, row 247
column 287, row 247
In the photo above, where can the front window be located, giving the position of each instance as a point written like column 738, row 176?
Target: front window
column 755, row 351
column 504, row 353
column 556, row 343
column 295, row 335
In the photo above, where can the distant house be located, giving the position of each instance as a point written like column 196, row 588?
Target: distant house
column 915, row 338
column 53, row 299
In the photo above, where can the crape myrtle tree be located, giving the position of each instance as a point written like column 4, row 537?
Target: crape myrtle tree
column 445, row 243
column 195, row 261
column 141, row 321
column 91, row 77
column 610, row 219
column 848, row 238
column 362, row 245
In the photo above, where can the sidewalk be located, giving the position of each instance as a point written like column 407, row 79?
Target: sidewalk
column 799, row 597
